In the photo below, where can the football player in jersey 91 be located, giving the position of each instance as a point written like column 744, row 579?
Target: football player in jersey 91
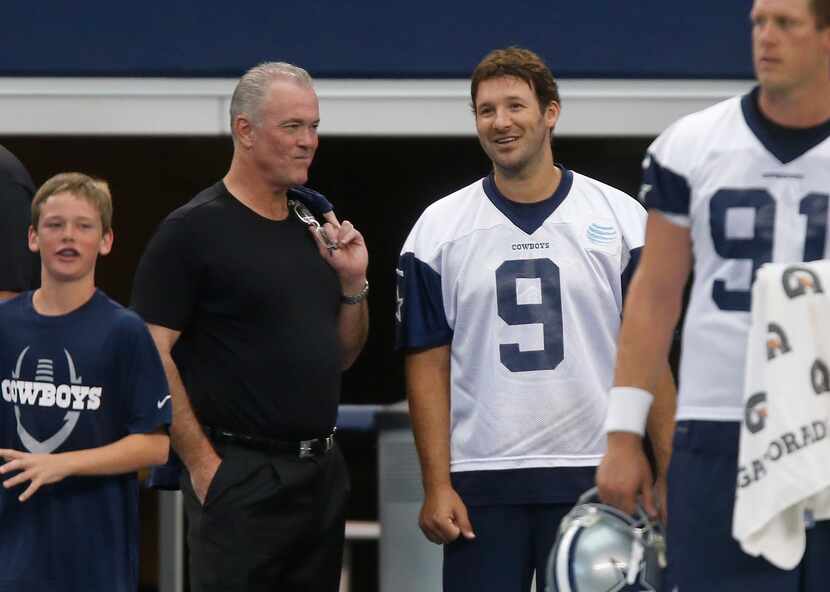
column 84, row 406
column 729, row 188
column 509, row 299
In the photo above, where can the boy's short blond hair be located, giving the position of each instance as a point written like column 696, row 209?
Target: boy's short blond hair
column 95, row 191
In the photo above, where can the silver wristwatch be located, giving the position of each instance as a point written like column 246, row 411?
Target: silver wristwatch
column 357, row 298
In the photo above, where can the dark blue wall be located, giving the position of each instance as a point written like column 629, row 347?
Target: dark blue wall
column 374, row 38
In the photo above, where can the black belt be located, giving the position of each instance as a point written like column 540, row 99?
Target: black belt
column 302, row 448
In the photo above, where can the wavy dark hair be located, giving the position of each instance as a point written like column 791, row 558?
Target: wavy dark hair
column 520, row 63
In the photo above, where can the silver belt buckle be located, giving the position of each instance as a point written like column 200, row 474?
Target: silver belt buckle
column 305, row 448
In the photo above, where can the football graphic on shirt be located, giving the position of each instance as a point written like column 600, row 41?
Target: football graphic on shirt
column 41, row 391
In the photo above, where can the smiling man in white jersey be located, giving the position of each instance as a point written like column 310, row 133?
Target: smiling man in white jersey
column 732, row 187
column 509, row 300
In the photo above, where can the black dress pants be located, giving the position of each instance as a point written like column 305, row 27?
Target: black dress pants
column 271, row 522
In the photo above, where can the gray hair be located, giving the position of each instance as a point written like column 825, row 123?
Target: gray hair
column 253, row 86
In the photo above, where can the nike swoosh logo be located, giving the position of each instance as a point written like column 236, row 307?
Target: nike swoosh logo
column 161, row 403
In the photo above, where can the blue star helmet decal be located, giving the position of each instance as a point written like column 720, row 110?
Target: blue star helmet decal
column 600, row 549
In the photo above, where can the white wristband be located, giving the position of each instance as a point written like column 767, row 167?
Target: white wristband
column 628, row 409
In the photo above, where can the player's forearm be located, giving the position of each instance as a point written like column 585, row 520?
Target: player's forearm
column 428, row 391
column 649, row 320
column 660, row 425
column 431, row 427
column 5, row 295
column 186, row 434
column 653, row 304
column 353, row 329
column 127, row 455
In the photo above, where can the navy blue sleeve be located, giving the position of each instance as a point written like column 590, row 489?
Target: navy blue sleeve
column 664, row 190
column 145, row 384
column 313, row 200
column 628, row 272
column 420, row 319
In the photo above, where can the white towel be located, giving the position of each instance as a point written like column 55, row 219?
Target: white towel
column 784, row 453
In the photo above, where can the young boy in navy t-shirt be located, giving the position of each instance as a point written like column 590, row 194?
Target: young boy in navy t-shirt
column 84, row 405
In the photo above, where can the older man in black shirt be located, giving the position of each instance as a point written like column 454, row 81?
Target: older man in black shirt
column 265, row 311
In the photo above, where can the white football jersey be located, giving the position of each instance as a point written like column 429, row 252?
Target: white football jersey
column 750, row 192
column 529, row 297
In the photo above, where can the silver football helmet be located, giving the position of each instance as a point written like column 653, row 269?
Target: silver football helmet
column 601, row 549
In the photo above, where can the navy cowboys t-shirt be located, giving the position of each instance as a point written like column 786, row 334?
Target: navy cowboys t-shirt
column 73, row 382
